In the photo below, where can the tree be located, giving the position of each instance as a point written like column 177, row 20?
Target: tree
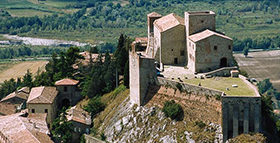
column 94, row 106
column 246, row 50
column 62, row 128
column 126, row 74
column 264, row 86
column 27, row 79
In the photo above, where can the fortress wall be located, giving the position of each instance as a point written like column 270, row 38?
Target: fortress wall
column 194, row 89
column 240, row 115
column 134, row 78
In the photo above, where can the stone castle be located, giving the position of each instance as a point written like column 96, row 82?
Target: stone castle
column 192, row 42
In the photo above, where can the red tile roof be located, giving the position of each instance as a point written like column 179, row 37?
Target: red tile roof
column 78, row 115
column 42, row 95
column 154, row 14
column 205, row 34
column 169, row 21
column 67, row 81
column 20, row 129
column 23, row 93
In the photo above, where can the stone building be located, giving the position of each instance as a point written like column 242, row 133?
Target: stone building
column 19, row 128
column 191, row 41
column 68, row 95
column 208, row 51
column 43, row 100
column 169, row 39
column 81, row 120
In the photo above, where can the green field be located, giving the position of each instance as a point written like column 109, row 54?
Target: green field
column 27, row 13
column 221, row 83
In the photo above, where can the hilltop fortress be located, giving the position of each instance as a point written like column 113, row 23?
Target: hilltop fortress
column 194, row 43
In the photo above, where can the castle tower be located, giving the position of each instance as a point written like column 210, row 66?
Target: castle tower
column 151, row 18
column 199, row 21
column 142, row 73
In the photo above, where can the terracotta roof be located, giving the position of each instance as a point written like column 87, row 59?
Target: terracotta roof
column 78, row 115
column 19, row 129
column 7, row 108
column 205, row 34
column 169, row 21
column 154, row 14
column 22, row 93
column 42, row 95
column 67, row 81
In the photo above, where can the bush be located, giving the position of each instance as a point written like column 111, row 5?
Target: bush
column 94, row 106
column 244, row 73
column 200, row 124
column 173, row 110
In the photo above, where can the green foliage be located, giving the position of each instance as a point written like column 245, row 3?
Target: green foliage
column 179, row 86
column 102, row 136
column 94, row 106
column 82, row 139
column 173, row 110
column 243, row 72
column 278, row 125
column 61, row 128
column 200, row 124
column 246, row 50
column 27, row 79
column 9, row 86
column 126, row 74
column 264, row 86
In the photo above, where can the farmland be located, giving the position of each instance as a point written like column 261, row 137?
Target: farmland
column 19, row 69
column 262, row 65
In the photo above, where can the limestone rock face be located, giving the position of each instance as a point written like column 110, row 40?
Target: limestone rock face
column 134, row 123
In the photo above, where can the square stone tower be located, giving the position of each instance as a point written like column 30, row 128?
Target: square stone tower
column 151, row 18
column 199, row 21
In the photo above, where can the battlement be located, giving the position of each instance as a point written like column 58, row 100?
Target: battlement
column 200, row 13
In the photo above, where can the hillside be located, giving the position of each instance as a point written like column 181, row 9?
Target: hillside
column 121, row 121
column 105, row 20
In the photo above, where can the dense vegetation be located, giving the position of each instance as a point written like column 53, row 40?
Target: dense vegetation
column 270, row 121
column 173, row 110
column 253, row 22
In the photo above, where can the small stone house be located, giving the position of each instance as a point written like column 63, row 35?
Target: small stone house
column 43, row 100
column 169, row 39
column 17, row 97
column 69, row 95
column 81, row 120
column 209, row 50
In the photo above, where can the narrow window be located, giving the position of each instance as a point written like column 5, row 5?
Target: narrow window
column 46, row 110
column 182, row 53
column 215, row 47
column 171, row 49
column 202, row 21
column 190, row 44
column 33, row 111
column 65, row 88
column 229, row 47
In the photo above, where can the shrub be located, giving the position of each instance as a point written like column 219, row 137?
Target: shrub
column 244, row 73
column 179, row 86
column 94, row 106
column 173, row 110
column 200, row 124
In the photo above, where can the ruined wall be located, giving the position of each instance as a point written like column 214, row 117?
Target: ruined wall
column 240, row 115
column 157, row 44
column 173, row 42
column 207, row 58
column 191, row 55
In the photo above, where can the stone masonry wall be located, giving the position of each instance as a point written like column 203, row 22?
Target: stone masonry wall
column 207, row 58
column 173, row 42
column 194, row 89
